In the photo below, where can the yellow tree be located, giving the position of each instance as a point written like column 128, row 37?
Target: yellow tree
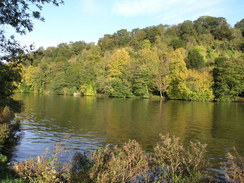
column 199, row 85
column 177, row 88
column 28, row 79
column 118, row 76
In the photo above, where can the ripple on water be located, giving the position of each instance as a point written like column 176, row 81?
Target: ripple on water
column 92, row 123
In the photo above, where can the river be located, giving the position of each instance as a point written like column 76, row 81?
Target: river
column 87, row 123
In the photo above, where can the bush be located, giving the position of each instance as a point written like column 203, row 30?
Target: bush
column 234, row 168
column 6, row 115
column 112, row 164
column 43, row 169
column 170, row 162
column 4, row 133
column 175, row 163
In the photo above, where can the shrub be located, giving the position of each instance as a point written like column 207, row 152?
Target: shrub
column 81, row 168
column 112, row 164
column 234, row 168
column 175, row 163
column 125, row 164
column 43, row 169
column 170, row 162
column 6, row 115
column 4, row 133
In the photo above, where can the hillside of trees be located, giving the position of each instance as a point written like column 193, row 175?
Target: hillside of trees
column 196, row 60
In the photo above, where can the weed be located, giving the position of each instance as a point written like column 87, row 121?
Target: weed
column 6, row 115
column 175, row 163
column 234, row 168
column 43, row 169
column 4, row 133
column 112, row 164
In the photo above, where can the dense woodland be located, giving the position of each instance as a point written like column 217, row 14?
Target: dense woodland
column 196, row 60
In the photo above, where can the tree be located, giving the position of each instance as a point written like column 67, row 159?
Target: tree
column 119, row 84
column 107, row 42
column 28, row 79
column 240, row 24
column 177, row 43
column 163, row 73
column 91, row 68
column 137, row 36
column 217, row 26
column 228, row 77
column 187, row 29
column 194, row 60
column 177, row 88
column 152, row 32
column 122, row 38
column 8, row 75
column 18, row 15
column 199, row 85
column 145, row 70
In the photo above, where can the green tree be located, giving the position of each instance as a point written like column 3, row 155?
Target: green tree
column 91, row 69
column 145, row 71
column 240, row 24
column 9, row 74
column 137, row 36
column 107, row 42
column 187, row 29
column 177, row 43
column 217, row 26
column 194, row 60
column 228, row 77
column 122, row 38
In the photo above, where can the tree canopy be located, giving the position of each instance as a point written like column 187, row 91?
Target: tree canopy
column 180, row 62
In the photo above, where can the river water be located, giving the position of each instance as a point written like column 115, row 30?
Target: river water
column 87, row 123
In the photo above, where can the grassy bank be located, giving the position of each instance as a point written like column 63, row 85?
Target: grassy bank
column 171, row 161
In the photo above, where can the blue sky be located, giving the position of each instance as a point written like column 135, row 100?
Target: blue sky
column 89, row 20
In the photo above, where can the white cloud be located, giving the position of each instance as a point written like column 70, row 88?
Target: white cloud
column 166, row 9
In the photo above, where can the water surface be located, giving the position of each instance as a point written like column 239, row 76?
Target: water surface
column 93, row 122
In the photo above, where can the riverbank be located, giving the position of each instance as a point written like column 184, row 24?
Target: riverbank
column 150, row 97
column 8, row 138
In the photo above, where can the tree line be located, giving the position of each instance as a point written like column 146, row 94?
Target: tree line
column 195, row 60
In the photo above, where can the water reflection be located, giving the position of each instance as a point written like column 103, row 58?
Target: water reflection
column 94, row 122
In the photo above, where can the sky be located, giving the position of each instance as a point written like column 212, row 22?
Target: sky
column 89, row 20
